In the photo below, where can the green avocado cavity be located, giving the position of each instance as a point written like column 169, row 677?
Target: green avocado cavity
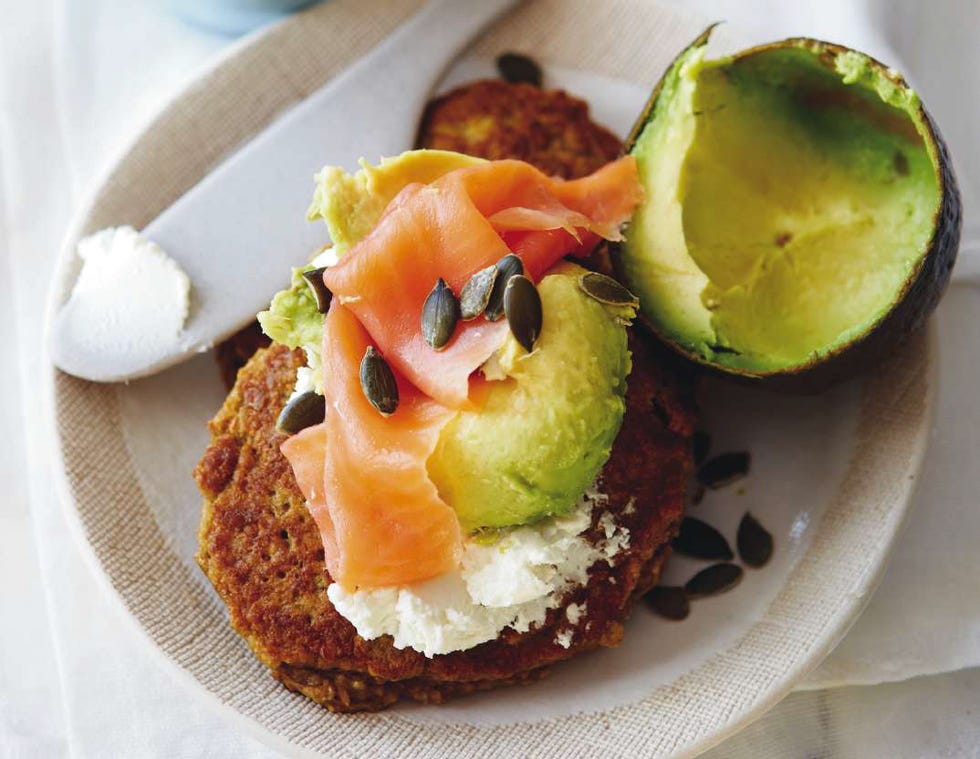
column 791, row 195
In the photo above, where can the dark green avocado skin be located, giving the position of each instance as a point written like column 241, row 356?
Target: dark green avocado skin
column 922, row 292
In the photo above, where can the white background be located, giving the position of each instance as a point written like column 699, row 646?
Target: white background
column 79, row 77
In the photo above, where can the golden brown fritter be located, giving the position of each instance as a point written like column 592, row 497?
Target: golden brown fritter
column 261, row 549
column 496, row 119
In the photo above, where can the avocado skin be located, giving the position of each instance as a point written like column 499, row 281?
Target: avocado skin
column 920, row 295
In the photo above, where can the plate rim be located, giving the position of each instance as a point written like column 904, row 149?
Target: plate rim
column 845, row 615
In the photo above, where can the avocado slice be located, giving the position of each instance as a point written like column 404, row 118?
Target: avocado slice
column 546, row 420
column 801, row 213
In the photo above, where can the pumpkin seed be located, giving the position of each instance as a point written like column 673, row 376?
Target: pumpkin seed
column 507, row 267
column 724, row 469
column 514, row 67
column 606, row 290
column 440, row 314
column 669, row 601
column 754, row 542
column 378, row 382
column 475, row 295
column 702, row 445
column 716, row 579
column 322, row 295
column 702, row 541
column 301, row 412
column 522, row 305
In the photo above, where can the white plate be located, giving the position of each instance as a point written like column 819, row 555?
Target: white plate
column 831, row 474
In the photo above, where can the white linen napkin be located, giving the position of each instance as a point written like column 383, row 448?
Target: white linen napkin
column 95, row 690
column 914, row 719
column 925, row 615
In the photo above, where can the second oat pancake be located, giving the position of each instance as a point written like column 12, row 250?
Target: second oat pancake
column 494, row 119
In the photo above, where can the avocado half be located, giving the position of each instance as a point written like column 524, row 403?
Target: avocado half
column 801, row 215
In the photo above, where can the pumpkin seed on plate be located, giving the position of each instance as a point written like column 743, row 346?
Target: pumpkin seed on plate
column 301, row 412
column 475, row 295
column 514, row 67
column 378, row 382
column 507, row 267
column 716, row 579
column 669, row 601
column 606, row 290
column 701, row 541
column 754, row 542
column 724, row 469
column 440, row 314
column 323, row 296
column 522, row 305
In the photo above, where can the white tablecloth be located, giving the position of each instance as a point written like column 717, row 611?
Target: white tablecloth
column 77, row 80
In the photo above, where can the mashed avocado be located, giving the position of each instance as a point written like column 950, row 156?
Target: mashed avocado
column 293, row 320
column 546, row 420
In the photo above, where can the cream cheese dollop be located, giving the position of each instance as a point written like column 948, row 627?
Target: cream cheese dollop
column 130, row 298
column 511, row 583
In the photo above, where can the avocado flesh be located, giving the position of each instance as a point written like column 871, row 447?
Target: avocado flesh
column 351, row 204
column 546, row 420
column 788, row 206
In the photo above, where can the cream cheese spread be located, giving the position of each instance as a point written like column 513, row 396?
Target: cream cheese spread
column 130, row 298
column 511, row 583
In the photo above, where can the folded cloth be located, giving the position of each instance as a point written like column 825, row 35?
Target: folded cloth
column 925, row 615
column 75, row 679
column 925, row 717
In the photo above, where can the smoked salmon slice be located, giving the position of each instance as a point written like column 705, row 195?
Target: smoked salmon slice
column 306, row 453
column 461, row 223
column 365, row 477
